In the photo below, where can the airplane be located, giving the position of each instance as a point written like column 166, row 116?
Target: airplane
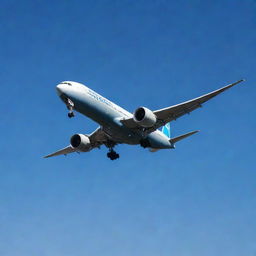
column 118, row 126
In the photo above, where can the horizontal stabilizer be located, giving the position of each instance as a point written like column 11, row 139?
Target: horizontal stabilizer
column 63, row 151
column 181, row 137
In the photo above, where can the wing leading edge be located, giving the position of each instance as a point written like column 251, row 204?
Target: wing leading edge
column 171, row 113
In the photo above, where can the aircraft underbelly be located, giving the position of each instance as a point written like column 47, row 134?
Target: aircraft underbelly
column 122, row 135
column 107, row 118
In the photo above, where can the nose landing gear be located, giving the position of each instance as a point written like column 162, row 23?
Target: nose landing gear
column 70, row 106
column 71, row 114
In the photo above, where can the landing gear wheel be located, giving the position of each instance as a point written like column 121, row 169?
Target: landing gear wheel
column 112, row 155
column 71, row 114
column 70, row 106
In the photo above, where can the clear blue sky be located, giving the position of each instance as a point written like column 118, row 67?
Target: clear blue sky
column 199, row 199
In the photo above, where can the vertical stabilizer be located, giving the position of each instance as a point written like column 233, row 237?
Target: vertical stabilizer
column 166, row 130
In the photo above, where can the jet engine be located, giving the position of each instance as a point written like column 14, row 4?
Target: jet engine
column 144, row 117
column 80, row 142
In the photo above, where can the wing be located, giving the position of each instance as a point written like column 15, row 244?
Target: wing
column 176, row 111
column 64, row 151
column 171, row 113
column 97, row 138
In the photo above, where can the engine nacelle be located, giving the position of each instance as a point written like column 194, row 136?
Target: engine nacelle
column 80, row 142
column 144, row 117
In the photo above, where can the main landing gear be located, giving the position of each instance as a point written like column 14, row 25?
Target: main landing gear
column 70, row 106
column 112, row 154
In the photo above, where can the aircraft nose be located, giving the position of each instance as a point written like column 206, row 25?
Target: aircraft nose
column 59, row 89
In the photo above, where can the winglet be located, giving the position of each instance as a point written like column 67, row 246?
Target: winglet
column 181, row 137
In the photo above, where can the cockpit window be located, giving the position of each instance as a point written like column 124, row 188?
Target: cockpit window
column 66, row 83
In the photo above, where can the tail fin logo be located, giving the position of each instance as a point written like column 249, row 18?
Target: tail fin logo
column 166, row 130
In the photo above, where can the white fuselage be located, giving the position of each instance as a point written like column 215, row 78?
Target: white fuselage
column 108, row 115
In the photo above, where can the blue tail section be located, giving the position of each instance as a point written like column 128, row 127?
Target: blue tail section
column 166, row 130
